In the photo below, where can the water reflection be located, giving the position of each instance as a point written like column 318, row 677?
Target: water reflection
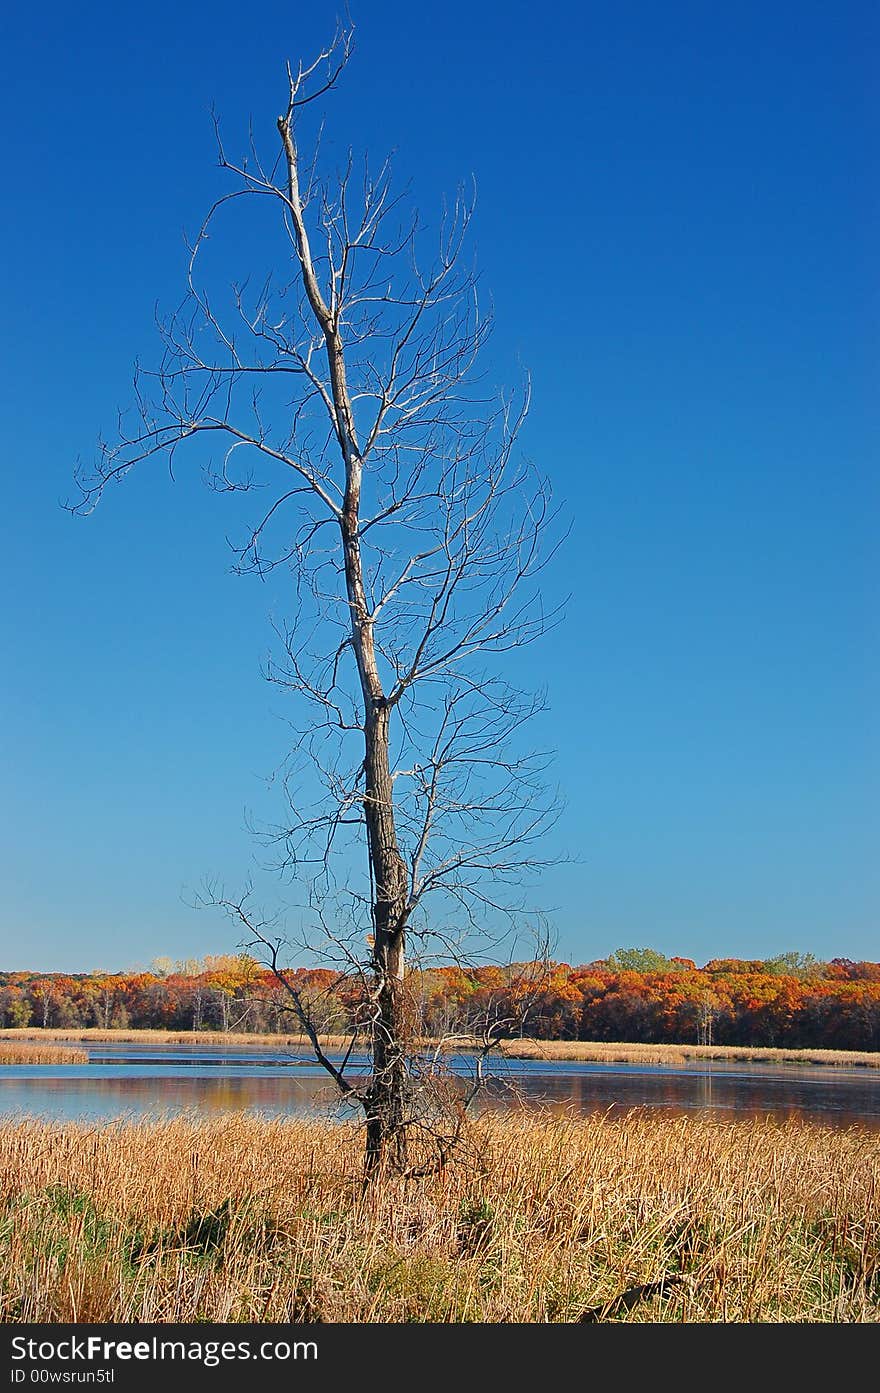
column 749, row 1092
column 137, row 1081
column 98, row 1098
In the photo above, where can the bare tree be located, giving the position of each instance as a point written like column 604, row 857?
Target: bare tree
column 348, row 387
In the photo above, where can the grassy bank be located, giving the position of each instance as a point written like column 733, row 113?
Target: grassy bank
column 95, row 1036
column 25, row 1052
column 584, row 1051
column 602, row 1053
column 629, row 1218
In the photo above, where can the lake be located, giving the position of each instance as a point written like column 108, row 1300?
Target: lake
column 138, row 1080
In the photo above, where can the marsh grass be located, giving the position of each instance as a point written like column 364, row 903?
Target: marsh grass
column 600, row 1052
column 24, row 1052
column 96, row 1036
column 586, row 1051
column 622, row 1218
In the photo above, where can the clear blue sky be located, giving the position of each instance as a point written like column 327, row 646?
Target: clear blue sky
column 678, row 219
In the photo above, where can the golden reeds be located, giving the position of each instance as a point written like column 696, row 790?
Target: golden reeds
column 600, row 1052
column 585, row 1051
column 626, row 1218
column 23, row 1052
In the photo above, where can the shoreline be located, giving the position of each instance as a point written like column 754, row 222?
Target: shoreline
column 549, row 1051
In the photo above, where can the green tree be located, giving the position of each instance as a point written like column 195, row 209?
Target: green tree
column 793, row 965
column 643, row 960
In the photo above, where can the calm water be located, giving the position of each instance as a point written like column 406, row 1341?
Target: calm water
column 137, row 1081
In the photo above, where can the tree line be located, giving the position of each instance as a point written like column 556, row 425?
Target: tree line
column 635, row 995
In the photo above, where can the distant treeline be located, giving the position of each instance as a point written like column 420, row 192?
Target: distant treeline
column 635, row 995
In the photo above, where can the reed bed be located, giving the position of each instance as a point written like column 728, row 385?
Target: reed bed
column 588, row 1051
column 585, row 1051
column 96, row 1036
column 23, row 1052
column 624, row 1218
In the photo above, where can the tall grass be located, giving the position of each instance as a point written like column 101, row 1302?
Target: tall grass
column 623, row 1218
column 96, row 1035
column 616, row 1052
column 620, row 1053
column 23, row 1052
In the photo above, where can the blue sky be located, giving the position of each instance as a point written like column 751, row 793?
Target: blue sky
column 678, row 220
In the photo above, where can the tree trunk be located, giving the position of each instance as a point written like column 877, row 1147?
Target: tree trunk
column 385, row 1101
column 391, row 1027
column 386, row 1098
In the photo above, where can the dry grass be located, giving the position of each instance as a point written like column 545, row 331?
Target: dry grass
column 629, row 1218
column 93, row 1036
column 23, row 1052
column 582, row 1051
column 602, row 1053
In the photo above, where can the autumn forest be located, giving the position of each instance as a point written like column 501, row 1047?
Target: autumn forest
column 635, row 995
